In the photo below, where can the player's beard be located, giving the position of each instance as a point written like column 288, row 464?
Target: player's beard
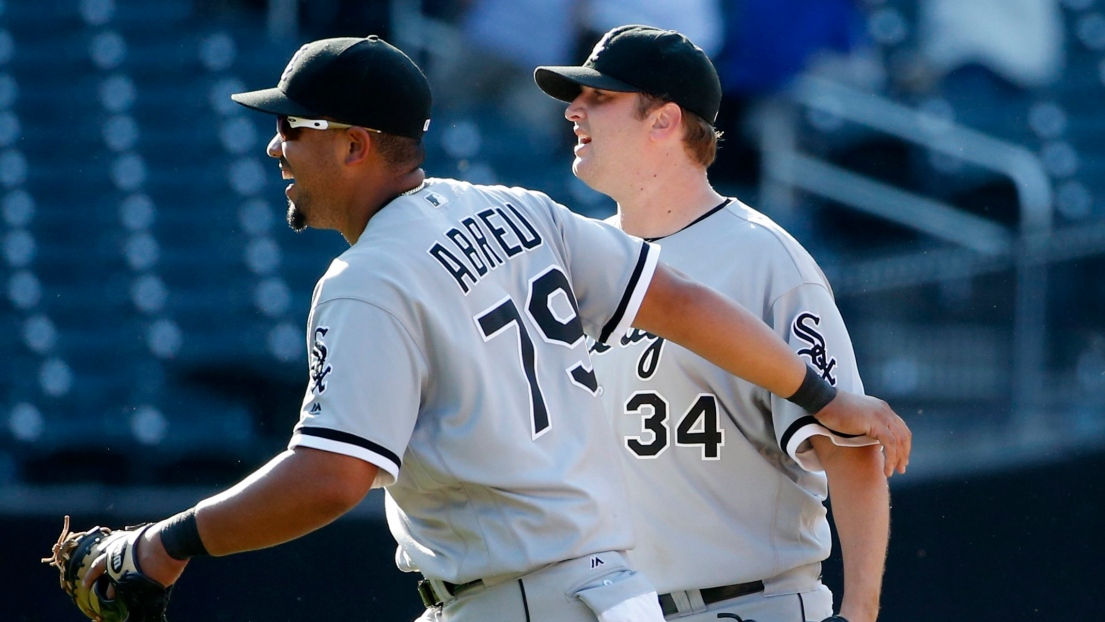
column 297, row 220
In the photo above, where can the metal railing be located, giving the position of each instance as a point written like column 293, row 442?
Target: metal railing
column 786, row 169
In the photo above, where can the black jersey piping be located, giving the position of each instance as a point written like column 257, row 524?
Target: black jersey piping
column 802, row 422
column 525, row 601
column 694, row 222
column 629, row 289
column 351, row 439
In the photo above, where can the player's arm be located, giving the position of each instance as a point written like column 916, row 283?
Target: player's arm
column 861, row 511
column 297, row 492
column 724, row 333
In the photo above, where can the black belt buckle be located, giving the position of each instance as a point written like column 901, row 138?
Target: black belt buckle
column 427, row 594
column 726, row 592
column 713, row 595
column 667, row 605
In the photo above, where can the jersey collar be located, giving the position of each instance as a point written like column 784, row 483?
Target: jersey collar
column 694, row 222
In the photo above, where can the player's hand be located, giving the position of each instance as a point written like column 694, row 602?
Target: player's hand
column 152, row 558
column 849, row 413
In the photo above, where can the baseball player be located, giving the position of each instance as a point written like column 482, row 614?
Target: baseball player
column 449, row 365
column 727, row 481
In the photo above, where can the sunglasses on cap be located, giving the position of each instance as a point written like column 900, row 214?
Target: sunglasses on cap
column 286, row 125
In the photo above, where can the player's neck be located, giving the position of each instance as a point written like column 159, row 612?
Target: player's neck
column 667, row 204
column 374, row 195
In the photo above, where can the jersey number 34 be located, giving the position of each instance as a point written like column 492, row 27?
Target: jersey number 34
column 699, row 426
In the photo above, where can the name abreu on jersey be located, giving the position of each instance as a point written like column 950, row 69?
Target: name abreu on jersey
column 473, row 256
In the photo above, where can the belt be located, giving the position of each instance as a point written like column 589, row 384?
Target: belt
column 713, row 595
column 430, row 591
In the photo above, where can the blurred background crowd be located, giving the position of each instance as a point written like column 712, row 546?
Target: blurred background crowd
column 943, row 160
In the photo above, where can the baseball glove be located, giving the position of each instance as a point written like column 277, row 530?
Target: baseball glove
column 136, row 598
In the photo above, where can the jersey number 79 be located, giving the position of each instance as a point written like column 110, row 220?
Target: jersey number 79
column 566, row 331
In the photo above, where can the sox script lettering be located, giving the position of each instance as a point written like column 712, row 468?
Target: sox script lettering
column 650, row 356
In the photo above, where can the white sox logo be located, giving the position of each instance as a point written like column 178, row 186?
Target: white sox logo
column 599, row 47
column 319, row 368
column 818, row 355
column 291, row 65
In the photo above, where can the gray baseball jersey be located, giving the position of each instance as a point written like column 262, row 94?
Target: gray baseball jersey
column 724, row 487
column 447, row 347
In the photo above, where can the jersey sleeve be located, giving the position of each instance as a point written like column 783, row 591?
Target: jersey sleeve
column 610, row 272
column 364, row 385
column 807, row 318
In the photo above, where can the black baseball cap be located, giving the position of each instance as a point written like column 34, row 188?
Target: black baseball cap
column 642, row 59
column 366, row 82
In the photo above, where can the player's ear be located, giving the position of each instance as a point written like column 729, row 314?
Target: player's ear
column 666, row 120
column 360, row 143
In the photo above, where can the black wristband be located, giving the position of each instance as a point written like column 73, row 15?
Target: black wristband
column 815, row 392
column 181, row 536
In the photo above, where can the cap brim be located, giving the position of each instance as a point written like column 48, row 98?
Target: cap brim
column 565, row 83
column 272, row 101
